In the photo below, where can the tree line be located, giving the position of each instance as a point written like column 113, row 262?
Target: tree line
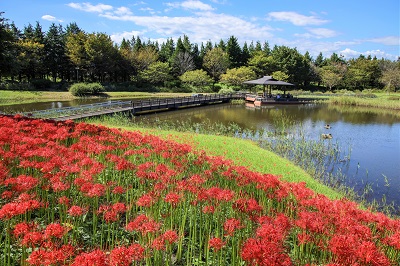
column 70, row 54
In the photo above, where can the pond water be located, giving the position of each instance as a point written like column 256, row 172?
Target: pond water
column 371, row 138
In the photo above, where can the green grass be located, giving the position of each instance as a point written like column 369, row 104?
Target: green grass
column 381, row 100
column 19, row 97
column 243, row 153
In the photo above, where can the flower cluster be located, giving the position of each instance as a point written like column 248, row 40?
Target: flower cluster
column 80, row 194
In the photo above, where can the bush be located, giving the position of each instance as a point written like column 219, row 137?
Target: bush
column 226, row 91
column 86, row 89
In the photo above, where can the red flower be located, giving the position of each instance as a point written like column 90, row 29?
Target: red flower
column 118, row 190
column 137, row 252
column 216, row 243
column 170, row 236
column 55, row 230
column 231, row 225
column 63, row 200
column 208, row 209
column 145, row 201
column 96, row 257
column 143, row 224
column 75, row 211
column 120, row 256
column 21, row 229
column 172, row 198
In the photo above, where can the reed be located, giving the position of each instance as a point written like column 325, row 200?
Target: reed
column 380, row 102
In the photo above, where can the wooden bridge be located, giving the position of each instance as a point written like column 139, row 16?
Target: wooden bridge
column 132, row 107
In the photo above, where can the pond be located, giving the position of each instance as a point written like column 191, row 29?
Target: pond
column 370, row 138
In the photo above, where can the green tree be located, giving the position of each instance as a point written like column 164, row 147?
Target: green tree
column 76, row 52
column 144, row 57
column 7, row 47
column 234, row 52
column 55, row 60
column 216, row 61
column 156, row 73
column 294, row 64
column 390, row 76
column 236, row 76
column 197, row 77
column 362, row 73
column 329, row 77
column 261, row 64
column 101, row 56
column 167, row 50
column 280, row 75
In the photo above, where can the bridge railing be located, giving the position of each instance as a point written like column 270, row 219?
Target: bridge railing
column 73, row 110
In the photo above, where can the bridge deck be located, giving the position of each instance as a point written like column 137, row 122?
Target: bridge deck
column 134, row 107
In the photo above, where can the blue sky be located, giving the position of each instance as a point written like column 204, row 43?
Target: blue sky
column 348, row 28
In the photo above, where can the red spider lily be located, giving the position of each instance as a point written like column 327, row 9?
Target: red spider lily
column 32, row 239
column 63, row 200
column 158, row 243
column 21, row 229
column 170, row 236
column 119, row 207
column 76, row 211
column 22, row 183
column 96, row 257
column 219, row 194
column 145, row 201
column 118, row 190
column 172, row 198
column 120, row 256
column 137, row 252
column 249, row 206
column 51, row 257
column 7, row 194
column 55, row 230
column 231, row 225
column 143, row 224
column 216, row 243
column 12, row 209
column 393, row 240
column 208, row 209
column 259, row 252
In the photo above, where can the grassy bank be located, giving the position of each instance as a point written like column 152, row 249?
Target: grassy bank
column 242, row 152
column 21, row 97
column 384, row 101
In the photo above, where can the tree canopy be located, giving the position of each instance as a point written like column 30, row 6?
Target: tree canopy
column 71, row 54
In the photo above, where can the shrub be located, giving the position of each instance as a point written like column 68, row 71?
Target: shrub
column 226, row 91
column 86, row 89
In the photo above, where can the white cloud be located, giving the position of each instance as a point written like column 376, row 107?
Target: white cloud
column 323, row 33
column 88, row 7
column 51, row 18
column 117, row 37
column 349, row 53
column 192, row 5
column 389, row 40
column 295, row 18
column 122, row 11
column 203, row 27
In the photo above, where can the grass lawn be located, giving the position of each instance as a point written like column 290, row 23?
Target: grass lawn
column 19, row 97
